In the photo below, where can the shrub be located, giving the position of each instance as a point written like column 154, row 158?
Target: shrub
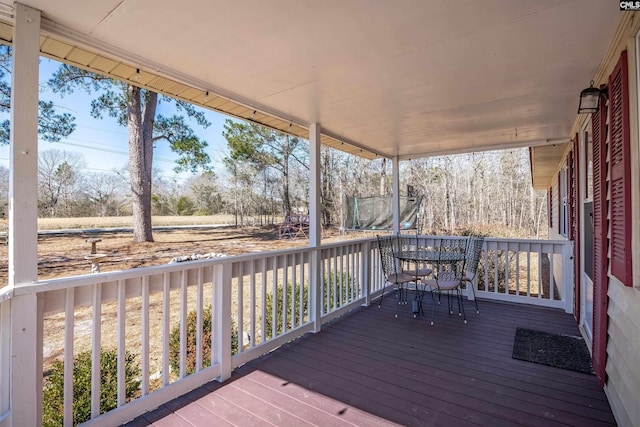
column 53, row 392
column 185, row 206
column 174, row 342
column 292, row 294
column 328, row 296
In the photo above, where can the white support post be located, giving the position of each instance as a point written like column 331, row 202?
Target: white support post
column 315, row 226
column 23, row 174
column 365, row 273
column 315, row 213
column 395, row 189
column 5, row 358
column 26, row 371
column 222, row 318
column 39, row 355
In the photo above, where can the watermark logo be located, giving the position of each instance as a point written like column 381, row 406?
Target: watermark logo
column 630, row 5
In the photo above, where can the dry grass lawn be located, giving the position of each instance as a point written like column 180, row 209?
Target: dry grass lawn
column 62, row 255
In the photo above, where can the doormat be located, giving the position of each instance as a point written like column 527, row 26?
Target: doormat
column 560, row 351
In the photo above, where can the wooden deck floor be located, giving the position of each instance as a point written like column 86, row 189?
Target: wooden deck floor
column 371, row 369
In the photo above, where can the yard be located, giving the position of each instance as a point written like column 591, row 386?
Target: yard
column 61, row 253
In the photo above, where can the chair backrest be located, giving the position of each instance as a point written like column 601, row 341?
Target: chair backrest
column 474, row 251
column 407, row 242
column 388, row 261
column 451, row 260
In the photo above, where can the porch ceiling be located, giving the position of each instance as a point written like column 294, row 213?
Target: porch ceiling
column 409, row 79
column 545, row 162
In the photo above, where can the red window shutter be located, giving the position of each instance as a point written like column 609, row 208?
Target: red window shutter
column 570, row 195
column 574, row 228
column 620, row 164
column 559, row 206
column 600, row 279
column 550, row 210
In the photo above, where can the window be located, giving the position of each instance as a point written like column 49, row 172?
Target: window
column 550, row 208
column 563, row 202
column 588, row 163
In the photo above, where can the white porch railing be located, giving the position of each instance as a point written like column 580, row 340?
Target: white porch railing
column 160, row 316
column 538, row 272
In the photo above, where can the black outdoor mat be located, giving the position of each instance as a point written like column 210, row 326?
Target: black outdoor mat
column 560, row 351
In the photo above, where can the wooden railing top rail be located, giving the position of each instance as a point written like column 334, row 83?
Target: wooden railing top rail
column 91, row 279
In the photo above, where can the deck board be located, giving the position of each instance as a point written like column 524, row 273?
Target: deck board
column 372, row 369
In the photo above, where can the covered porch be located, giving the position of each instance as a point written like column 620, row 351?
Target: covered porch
column 371, row 369
column 408, row 97
column 381, row 368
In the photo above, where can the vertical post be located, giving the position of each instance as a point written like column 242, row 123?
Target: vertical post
column 23, row 215
column 365, row 273
column 315, row 231
column 222, row 318
column 96, row 349
column 315, row 213
column 39, row 356
column 5, row 356
column 395, row 189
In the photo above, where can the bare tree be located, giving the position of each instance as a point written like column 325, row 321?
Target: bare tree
column 104, row 191
column 471, row 190
column 59, row 181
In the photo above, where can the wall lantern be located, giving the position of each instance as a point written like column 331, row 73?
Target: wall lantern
column 590, row 99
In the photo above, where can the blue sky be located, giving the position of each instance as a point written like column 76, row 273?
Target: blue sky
column 103, row 143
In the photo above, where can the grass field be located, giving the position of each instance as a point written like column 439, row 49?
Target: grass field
column 127, row 221
column 62, row 255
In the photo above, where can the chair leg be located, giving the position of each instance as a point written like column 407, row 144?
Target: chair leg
column 461, row 304
column 400, row 296
column 419, row 300
column 398, row 302
column 420, row 294
column 433, row 310
column 473, row 289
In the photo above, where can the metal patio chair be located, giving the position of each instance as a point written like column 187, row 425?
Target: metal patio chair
column 409, row 242
column 474, row 251
column 393, row 274
column 448, row 273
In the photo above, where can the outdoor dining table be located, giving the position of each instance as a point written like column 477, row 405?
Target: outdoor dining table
column 427, row 256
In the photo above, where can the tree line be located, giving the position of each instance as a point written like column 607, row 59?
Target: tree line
column 458, row 192
column 263, row 179
column 269, row 172
column 67, row 189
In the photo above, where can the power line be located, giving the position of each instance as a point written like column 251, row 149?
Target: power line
column 107, row 150
column 103, row 130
